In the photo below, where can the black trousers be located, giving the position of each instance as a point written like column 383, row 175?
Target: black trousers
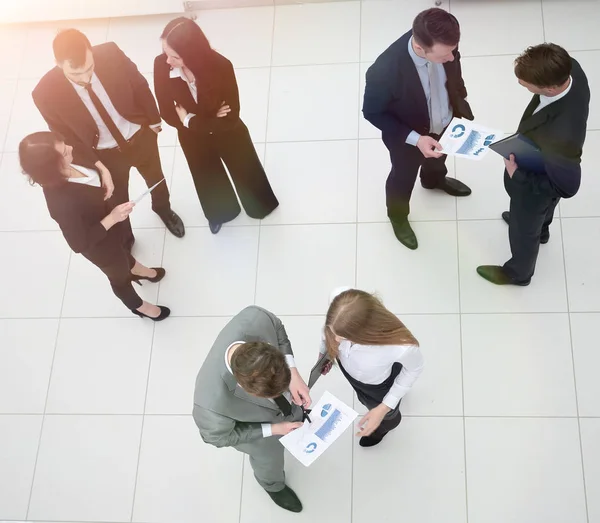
column 372, row 395
column 114, row 259
column 530, row 216
column 406, row 160
column 142, row 153
column 205, row 155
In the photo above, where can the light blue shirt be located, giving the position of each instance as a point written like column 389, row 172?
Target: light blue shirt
column 421, row 65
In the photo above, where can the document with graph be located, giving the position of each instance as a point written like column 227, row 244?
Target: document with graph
column 466, row 139
column 329, row 418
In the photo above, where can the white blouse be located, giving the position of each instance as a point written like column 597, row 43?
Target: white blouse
column 90, row 176
column 372, row 364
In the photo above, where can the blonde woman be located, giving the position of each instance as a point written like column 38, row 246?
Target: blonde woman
column 376, row 353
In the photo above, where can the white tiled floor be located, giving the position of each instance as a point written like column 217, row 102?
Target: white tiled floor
column 503, row 426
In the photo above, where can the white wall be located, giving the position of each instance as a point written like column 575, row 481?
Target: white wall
column 14, row 11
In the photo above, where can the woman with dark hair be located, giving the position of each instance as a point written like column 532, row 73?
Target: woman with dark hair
column 91, row 225
column 197, row 94
column 376, row 353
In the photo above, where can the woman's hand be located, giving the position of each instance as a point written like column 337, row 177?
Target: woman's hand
column 224, row 110
column 326, row 368
column 107, row 183
column 372, row 419
column 122, row 212
column 181, row 112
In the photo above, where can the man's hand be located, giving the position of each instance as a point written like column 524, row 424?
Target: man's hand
column 181, row 112
column 372, row 419
column 429, row 147
column 223, row 111
column 299, row 389
column 107, row 182
column 285, row 427
column 511, row 165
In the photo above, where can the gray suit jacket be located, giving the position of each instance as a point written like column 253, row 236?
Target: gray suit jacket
column 225, row 414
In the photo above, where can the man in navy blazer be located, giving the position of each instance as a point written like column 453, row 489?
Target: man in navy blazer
column 556, row 121
column 413, row 91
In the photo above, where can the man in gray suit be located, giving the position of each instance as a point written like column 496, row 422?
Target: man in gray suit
column 242, row 397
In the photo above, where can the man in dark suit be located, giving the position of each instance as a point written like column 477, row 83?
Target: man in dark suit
column 101, row 105
column 555, row 121
column 413, row 90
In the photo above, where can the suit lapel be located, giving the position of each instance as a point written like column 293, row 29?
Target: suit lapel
column 77, row 110
column 530, row 121
column 409, row 69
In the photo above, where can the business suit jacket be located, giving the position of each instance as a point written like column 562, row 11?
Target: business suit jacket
column 78, row 209
column 65, row 112
column 175, row 90
column 394, row 100
column 559, row 130
column 225, row 414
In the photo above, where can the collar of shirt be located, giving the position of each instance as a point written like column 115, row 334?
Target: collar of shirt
column 177, row 72
column 80, row 87
column 547, row 100
column 227, row 355
column 419, row 62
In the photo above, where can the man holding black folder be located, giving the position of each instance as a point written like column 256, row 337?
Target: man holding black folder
column 554, row 122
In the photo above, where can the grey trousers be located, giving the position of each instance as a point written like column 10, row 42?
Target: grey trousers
column 266, row 458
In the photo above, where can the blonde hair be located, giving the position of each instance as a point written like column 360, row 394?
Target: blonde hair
column 362, row 318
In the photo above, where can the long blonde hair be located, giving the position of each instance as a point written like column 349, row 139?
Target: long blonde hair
column 362, row 318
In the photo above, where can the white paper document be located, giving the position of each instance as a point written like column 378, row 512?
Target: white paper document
column 330, row 418
column 466, row 139
column 145, row 193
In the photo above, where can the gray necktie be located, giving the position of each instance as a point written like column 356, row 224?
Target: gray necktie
column 437, row 125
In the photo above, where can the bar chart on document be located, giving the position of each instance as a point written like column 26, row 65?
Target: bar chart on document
column 330, row 418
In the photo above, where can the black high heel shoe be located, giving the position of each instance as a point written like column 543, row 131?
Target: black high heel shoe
column 160, row 274
column 164, row 313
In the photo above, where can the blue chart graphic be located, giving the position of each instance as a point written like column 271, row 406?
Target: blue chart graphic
column 489, row 139
column 457, row 131
column 310, row 448
column 330, row 424
column 470, row 143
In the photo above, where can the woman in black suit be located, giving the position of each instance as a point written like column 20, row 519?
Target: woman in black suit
column 197, row 94
column 91, row 225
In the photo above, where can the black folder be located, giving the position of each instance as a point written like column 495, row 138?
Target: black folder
column 315, row 372
column 527, row 154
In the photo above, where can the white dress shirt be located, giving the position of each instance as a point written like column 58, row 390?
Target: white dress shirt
column 547, row 100
column 266, row 427
column 127, row 128
column 176, row 72
column 421, row 64
column 90, row 176
column 372, row 364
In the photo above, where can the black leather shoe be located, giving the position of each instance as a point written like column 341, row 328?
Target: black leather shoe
column 496, row 274
column 214, row 227
column 370, row 441
column 405, row 235
column 174, row 224
column 544, row 237
column 452, row 186
column 286, row 499
column 164, row 313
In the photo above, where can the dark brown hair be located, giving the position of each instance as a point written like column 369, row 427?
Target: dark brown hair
column 71, row 45
column 361, row 318
column 544, row 65
column 436, row 26
column 260, row 369
column 186, row 38
column 40, row 160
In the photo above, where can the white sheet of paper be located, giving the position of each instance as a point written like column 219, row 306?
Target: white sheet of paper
column 466, row 139
column 145, row 193
column 330, row 418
